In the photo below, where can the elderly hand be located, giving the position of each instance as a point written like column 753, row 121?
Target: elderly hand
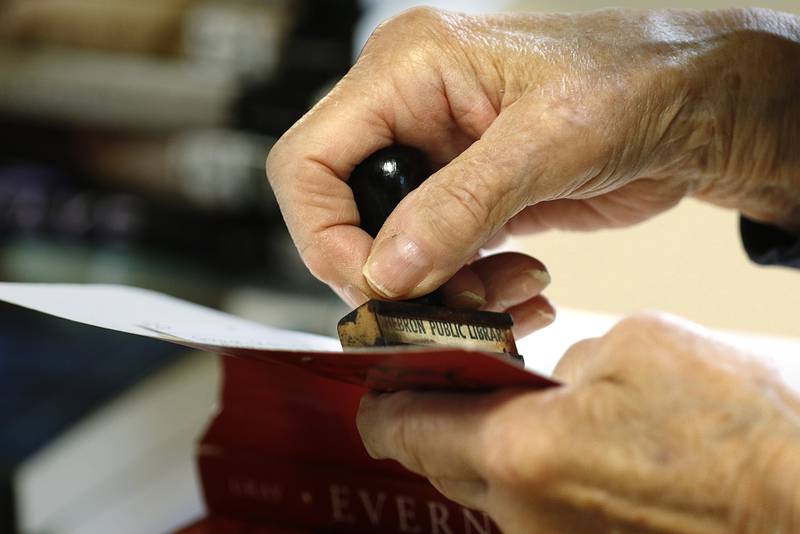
column 658, row 429
column 535, row 121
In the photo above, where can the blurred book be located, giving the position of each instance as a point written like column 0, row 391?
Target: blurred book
column 55, row 375
column 212, row 169
column 236, row 35
column 129, row 467
column 128, row 92
column 119, row 65
column 41, row 202
column 55, row 228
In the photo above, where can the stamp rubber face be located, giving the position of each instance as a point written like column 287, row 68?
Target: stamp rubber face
column 379, row 323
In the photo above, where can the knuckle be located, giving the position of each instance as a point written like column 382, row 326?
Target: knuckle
column 639, row 343
column 317, row 253
column 273, row 161
column 464, row 208
column 404, row 432
column 315, row 262
column 499, row 461
column 402, row 439
column 509, row 464
column 420, row 16
column 514, row 458
column 469, row 198
column 407, row 33
column 639, row 322
column 575, row 361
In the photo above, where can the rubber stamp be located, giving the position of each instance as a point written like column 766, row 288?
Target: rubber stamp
column 379, row 183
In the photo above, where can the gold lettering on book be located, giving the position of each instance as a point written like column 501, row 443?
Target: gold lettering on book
column 258, row 490
column 370, row 507
column 438, row 514
column 406, row 513
column 339, row 503
column 375, row 510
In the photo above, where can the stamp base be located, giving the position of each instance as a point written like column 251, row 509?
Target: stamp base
column 379, row 323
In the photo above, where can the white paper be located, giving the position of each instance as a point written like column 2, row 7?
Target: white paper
column 151, row 314
column 544, row 348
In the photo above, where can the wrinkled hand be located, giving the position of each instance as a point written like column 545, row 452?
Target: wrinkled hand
column 659, row 429
column 577, row 121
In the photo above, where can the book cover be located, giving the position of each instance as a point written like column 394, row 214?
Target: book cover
column 283, row 449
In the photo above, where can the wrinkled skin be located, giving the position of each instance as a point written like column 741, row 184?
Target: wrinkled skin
column 659, row 429
column 578, row 122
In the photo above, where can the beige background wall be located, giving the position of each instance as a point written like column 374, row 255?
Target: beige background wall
column 688, row 261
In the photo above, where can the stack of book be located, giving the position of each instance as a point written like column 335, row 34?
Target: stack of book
column 140, row 129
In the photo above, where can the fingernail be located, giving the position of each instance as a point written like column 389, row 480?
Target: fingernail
column 528, row 283
column 396, row 266
column 542, row 276
column 354, row 296
column 522, row 287
column 546, row 317
column 466, row 300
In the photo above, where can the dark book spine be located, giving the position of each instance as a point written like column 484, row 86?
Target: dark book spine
column 39, row 202
column 329, row 498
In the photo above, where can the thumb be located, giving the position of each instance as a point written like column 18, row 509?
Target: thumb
column 439, row 226
column 442, row 224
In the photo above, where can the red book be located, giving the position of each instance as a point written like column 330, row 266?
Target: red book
column 283, row 451
column 322, row 497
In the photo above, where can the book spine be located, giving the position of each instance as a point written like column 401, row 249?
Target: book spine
column 215, row 169
column 139, row 27
column 43, row 202
column 243, row 32
column 128, row 92
column 330, row 498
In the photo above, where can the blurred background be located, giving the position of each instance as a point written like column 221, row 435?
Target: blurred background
column 133, row 135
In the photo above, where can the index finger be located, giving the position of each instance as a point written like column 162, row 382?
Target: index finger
column 432, row 434
column 307, row 169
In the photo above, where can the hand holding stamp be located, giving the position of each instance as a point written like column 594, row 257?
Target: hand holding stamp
column 379, row 183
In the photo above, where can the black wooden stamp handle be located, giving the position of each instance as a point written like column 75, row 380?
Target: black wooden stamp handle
column 381, row 181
